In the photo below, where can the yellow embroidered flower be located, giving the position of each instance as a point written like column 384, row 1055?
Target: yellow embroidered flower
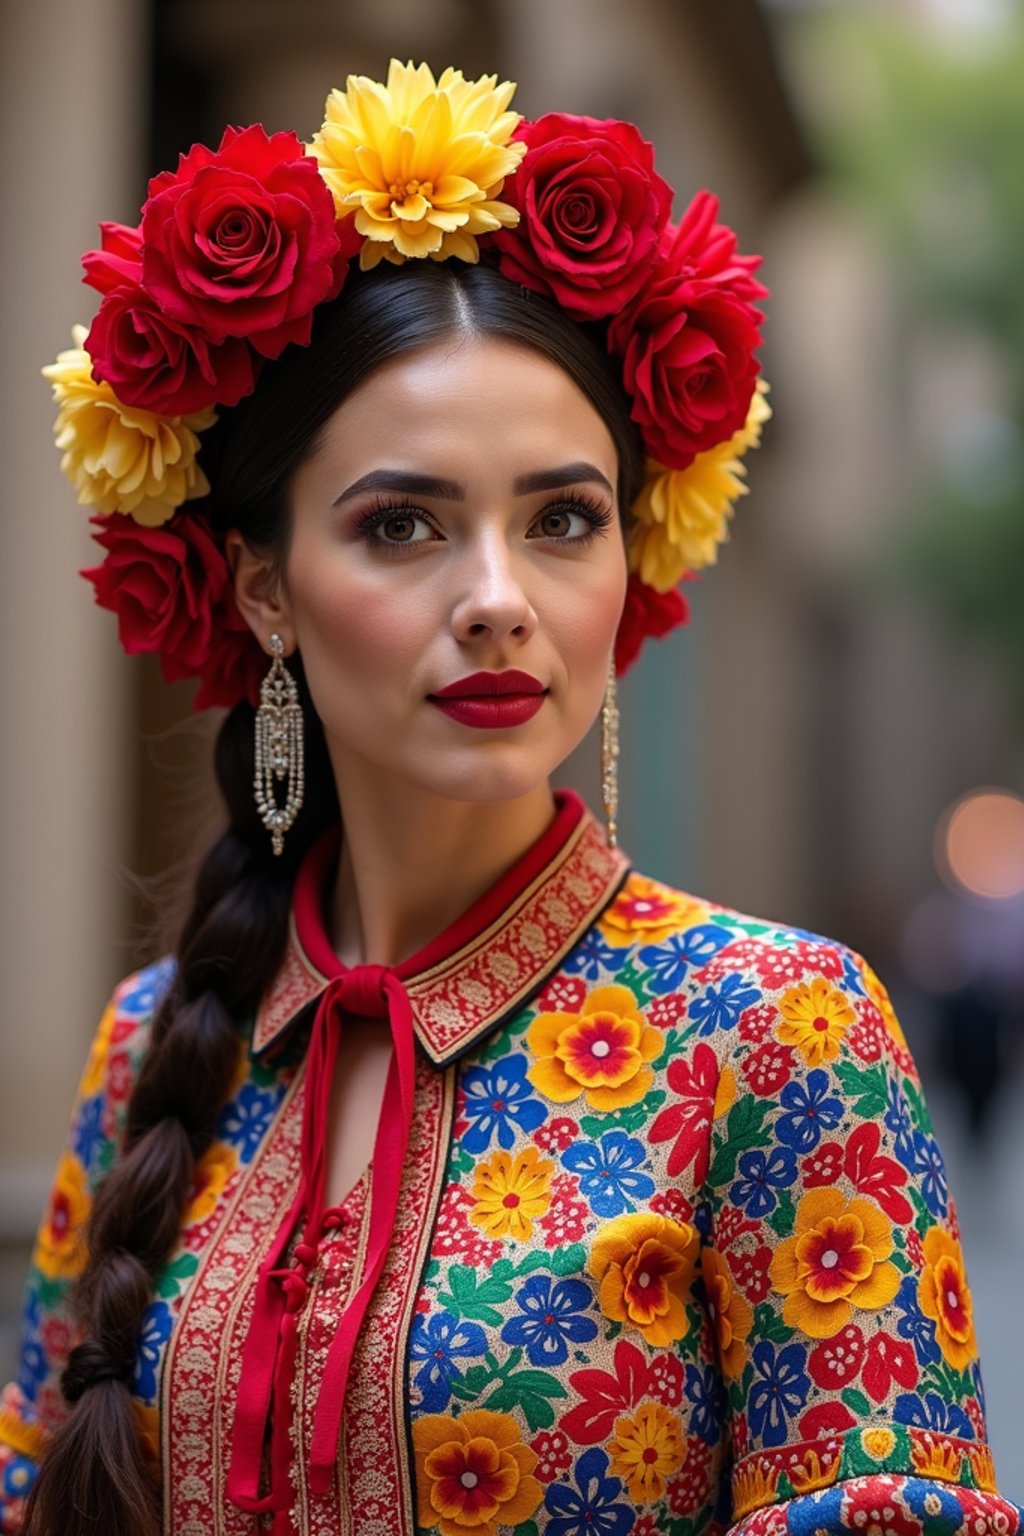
column 473, row 1473
column 681, row 515
column 96, row 1066
column 601, row 1052
column 934, row 1459
column 212, row 1173
column 837, row 1260
column 644, row 1265
column 815, row 1469
column 814, row 1019
column 982, row 1466
column 510, row 1192
column 753, row 1485
column 944, row 1296
column 731, row 1314
column 421, row 162
column 880, row 997
column 119, row 458
column 646, row 911
column 646, row 1449
column 60, row 1250
column 878, row 1443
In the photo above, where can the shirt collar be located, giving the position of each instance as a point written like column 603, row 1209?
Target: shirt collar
column 485, row 964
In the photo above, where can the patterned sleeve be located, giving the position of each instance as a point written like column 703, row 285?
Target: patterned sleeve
column 834, row 1276
column 31, row 1406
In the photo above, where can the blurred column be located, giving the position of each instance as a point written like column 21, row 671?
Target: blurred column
column 71, row 104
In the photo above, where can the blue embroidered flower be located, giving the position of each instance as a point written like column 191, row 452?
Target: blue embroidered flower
column 930, row 1411
column 720, row 1007
column 762, row 1174
column 937, row 1508
column 551, row 1319
column 670, row 962
column 499, row 1098
column 593, row 1510
column 148, row 988
column 156, row 1330
column 819, row 1511
column 898, row 1119
column 440, row 1340
column 931, row 1172
column 244, row 1121
column 704, row 1390
column 592, row 957
column 780, row 1389
column 811, row 1110
column 607, row 1170
column 32, row 1362
column 913, row 1324
column 19, row 1475
column 87, row 1131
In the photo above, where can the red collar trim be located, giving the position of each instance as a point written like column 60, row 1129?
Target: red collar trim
column 486, row 963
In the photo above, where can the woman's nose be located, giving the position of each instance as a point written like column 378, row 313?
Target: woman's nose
column 493, row 600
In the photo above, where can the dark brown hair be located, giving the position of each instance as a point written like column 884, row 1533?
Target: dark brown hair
column 95, row 1477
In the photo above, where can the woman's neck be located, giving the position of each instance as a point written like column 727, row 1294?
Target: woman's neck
column 412, row 863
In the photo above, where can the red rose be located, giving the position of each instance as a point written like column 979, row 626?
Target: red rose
column 235, row 664
column 158, row 364
column 592, row 211
column 118, row 261
column 687, row 341
column 646, row 613
column 242, row 241
column 170, row 590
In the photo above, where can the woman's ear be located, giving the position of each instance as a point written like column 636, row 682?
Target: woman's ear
column 259, row 592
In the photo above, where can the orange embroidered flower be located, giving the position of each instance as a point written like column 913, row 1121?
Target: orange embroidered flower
column 982, row 1465
column 837, row 1260
column 473, row 1473
column 601, row 1052
column 644, row 1265
column 753, row 1485
column 880, row 997
column 647, row 1448
column 944, row 1296
column 644, row 910
column 510, row 1192
column 211, row 1175
column 814, row 1019
column 60, row 1250
column 731, row 1313
column 96, row 1066
column 815, row 1469
column 936, row 1458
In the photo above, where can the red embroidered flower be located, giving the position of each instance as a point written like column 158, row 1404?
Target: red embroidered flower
column 888, row 1360
column 687, row 341
column 752, row 1270
column 688, row 1492
column 646, row 615
column 778, row 967
column 768, row 1068
column 664, row 1012
column 871, row 1505
column 672, row 1202
column 551, row 1448
column 835, row 1362
column 876, row 1175
column 557, row 1134
column 825, row 1419
column 824, row 1165
column 756, row 1023
column 242, row 241
column 602, row 1396
column 869, row 1038
column 695, row 1080
column 592, row 211
column 565, row 1220
column 823, row 958
column 666, row 1380
column 562, row 995
column 161, row 364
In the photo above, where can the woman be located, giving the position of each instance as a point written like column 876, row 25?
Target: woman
column 454, row 1176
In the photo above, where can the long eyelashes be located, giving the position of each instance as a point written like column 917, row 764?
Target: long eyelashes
column 384, row 509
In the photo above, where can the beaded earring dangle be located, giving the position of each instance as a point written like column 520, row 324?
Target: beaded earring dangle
column 610, row 757
column 279, row 748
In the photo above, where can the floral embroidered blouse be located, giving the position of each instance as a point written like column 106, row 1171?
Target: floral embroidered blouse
column 673, row 1248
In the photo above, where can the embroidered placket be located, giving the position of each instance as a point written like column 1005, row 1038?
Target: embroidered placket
column 268, row 1358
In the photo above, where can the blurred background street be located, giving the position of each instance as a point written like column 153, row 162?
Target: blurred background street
column 837, row 739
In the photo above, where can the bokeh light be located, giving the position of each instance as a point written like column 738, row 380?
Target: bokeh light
column 979, row 844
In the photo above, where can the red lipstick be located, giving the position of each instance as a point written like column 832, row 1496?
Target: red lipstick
column 491, row 700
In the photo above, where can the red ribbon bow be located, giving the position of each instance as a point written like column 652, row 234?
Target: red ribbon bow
column 268, row 1358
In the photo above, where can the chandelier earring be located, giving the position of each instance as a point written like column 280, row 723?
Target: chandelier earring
column 279, row 781
column 610, row 757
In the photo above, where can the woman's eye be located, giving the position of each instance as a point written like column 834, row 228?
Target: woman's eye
column 563, row 523
column 398, row 527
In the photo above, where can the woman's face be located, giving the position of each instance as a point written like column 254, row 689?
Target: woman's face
column 458, row 517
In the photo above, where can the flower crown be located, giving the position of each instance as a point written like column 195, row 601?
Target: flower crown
column 235, row 250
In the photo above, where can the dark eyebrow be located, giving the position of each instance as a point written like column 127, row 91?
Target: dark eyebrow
column 565, row 474
column 406, row 481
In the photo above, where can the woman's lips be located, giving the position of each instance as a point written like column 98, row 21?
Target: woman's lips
column 491, row 700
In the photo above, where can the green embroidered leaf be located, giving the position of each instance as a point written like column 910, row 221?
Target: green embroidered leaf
column 636, row 979
column 471, row 1297
column 865, row 1087
column 768, row 1324
column 528, row 1390
column 527, row 1528
column 673, row 1038
column 744, row 1129
column 460, row 1163
column 856, row 1402
column 569, row 1261
column 533, row 1261
column 925, row 1219
column 783, row 1218
column 919, row 1111
column 751, row 927
column 902, row 1263
column 505, row 1041
column 50, row 1292
column 474, row 1381
column 953, row 1386
column 173, row 1278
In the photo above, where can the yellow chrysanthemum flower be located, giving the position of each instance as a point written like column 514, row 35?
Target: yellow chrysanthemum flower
column 682, row 515
column 119, row 458
column 421, row 162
